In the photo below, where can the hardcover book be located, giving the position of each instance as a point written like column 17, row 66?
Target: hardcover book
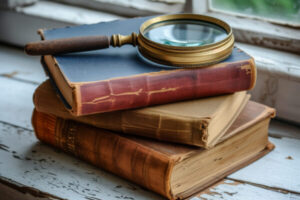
column 117, row 78
column 174, row 171
column 198, row 122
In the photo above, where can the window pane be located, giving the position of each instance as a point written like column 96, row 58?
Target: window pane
column 281, row 11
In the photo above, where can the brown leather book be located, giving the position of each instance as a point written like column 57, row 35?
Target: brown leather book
column 117, row 79
column 173, row 171
column 196, row 122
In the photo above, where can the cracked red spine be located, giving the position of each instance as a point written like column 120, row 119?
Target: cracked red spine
column 164, row 87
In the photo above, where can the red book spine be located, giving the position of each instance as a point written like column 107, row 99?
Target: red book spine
column 164, row 87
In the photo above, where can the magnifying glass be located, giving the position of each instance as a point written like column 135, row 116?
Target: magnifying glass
column 182, row 40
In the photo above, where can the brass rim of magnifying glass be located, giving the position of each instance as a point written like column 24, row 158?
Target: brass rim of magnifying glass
column 186, row 56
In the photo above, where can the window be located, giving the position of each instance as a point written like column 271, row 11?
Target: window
column 278, row 11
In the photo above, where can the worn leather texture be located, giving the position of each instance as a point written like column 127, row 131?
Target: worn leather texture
column 116, row 78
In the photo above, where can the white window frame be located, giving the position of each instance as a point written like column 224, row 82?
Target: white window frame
column 255, row 31
column 278, row 65
column 278, row 80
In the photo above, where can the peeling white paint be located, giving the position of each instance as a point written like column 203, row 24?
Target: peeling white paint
column 245, row 192
column 30, row 163
column 278, row 169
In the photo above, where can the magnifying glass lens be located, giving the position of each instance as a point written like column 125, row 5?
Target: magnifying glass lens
column 185, row 33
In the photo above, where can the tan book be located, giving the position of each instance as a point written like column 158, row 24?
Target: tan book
column 196, row 122
column 171, row 170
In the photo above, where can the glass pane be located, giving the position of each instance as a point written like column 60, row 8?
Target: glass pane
column 281, row 11
column 185, row 33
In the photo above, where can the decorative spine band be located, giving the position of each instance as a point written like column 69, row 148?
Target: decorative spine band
column 68, row 136
column 118, row 40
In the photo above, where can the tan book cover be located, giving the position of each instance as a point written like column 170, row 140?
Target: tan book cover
column 172, row 170
column 196, row 122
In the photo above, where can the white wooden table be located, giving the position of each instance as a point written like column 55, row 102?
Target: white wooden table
column 32, row 170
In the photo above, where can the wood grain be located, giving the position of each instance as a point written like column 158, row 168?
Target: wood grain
column 16, row 102
column 231, row 190
column 278, row 169
column 278, row 79
column 15, row 64
column 37, row 166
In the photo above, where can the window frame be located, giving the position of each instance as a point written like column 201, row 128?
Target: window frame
column 262, row 32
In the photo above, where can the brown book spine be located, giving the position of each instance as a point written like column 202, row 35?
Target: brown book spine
column 125, row 157
column 163, row 87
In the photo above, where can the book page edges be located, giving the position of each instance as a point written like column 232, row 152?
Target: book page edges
column 269, row 147
column 261, row 147
column 267, row 113
column 215, row 140
column 70, row 92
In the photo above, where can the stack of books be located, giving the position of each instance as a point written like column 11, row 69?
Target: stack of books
column 172, row 131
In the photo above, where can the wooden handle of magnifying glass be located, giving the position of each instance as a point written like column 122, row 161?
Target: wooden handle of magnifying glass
column 67, row 45
column 76, row 44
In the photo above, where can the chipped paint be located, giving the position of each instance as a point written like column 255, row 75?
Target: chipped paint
column 35, row 166
column 237, row 190
column 248, row 68
column 10, row 75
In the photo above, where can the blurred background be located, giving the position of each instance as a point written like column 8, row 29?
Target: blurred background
column 19, row 19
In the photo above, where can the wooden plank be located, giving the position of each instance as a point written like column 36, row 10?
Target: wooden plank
column 262, row 33
column 16, row 64
column 284, row 129
column 66, row 13
column 132, row 8
column 282, row 62
column 41, row 168
column 228, row 189
column 10, row 190
column 278, row 169
column 16, row 102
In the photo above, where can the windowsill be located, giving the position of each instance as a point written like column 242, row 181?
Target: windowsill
column 278, row 71
column 278, row 80
column 262, row 33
